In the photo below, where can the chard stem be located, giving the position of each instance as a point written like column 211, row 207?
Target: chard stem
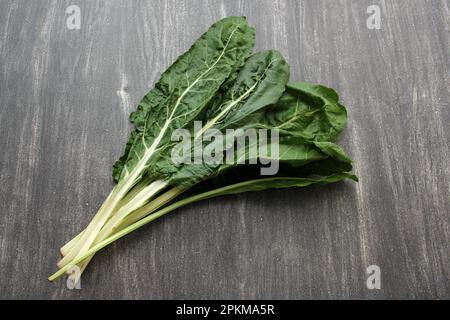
column 98, row 221
column 129, row 220
column 69, row 245
column 135, row 190
column 133, row 227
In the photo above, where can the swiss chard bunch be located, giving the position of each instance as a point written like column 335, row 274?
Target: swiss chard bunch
column 220, row 83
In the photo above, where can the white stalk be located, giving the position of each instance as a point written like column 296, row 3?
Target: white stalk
column 135, row 216
column 138, row 201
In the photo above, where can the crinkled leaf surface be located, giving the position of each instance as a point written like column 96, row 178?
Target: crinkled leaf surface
column 185, row 89
column 308, row 118
column 260, row 83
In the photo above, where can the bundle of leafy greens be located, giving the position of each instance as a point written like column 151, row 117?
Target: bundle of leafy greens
column 220, row 82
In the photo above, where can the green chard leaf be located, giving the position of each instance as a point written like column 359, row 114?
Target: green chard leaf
column 184, row 90
column 304, row 116
column 308, row 111
column 260, row 83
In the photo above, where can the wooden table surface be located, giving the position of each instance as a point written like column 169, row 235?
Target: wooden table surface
column 65, row 96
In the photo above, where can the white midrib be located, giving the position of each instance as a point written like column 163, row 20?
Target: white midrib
column 213, row 121
column 129, row 180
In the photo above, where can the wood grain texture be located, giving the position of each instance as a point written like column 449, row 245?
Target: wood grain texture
column 65, row 96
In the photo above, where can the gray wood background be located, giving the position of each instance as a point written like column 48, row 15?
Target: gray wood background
column 65, row 96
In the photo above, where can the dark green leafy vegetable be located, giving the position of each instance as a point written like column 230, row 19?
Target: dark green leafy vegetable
column 178, row 97
column 220, row 83
column 259, row 83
